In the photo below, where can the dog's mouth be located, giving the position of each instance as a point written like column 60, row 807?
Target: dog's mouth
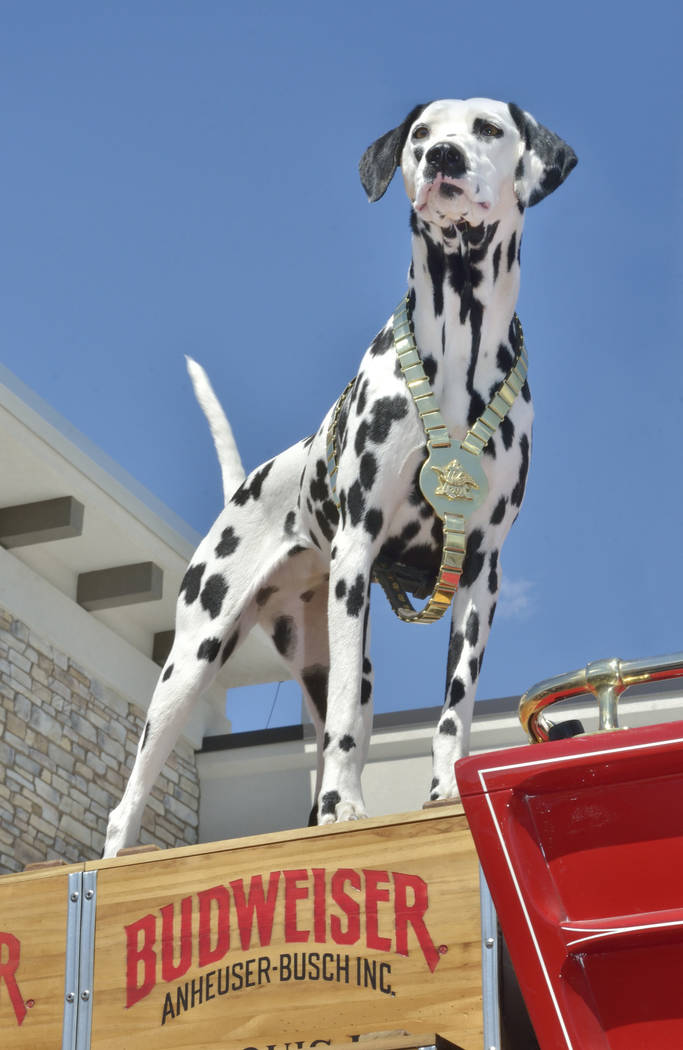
column 449, row 190
column 456, row 193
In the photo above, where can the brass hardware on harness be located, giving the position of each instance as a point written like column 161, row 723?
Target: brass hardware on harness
column 605, row 679
column 452, row 479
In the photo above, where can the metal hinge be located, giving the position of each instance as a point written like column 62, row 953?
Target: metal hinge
column 80, row 949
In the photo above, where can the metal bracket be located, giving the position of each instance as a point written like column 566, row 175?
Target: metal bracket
column 489, row 967
column 80, row 950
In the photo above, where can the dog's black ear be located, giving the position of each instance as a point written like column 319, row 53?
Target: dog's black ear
column 545, row 162
column 379, row 162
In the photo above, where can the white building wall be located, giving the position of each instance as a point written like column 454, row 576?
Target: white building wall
column 268, row 784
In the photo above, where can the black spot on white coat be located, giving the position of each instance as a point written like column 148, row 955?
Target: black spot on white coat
column 504, row 358
column 315, row 680
column 319, row 489
column 209, row 649
column 455, row 649
column 512, row 251
column 228, row 543
column 518, row 491
column 229, row 647
column 472, row 628
column 498, row 512
column 356, row 597
column 507, row 432
column 367, row 470
column 325, row 527
column 355, row 503
column 496, row 260
column 430, row 366
column 213, row 593
column 264, row 594
column 251, row 487
column 284, row 635
column 329, row 802
column 457, row 692
column 191, row 583
column 373, row 522
column 493, row 572
column 382, row 342
column 474, row 558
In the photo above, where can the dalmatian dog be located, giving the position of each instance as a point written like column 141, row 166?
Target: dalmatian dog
column 285, row 554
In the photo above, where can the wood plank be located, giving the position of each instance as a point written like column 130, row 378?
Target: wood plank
column 33, row 910
column 291, row 835
column 359, row 928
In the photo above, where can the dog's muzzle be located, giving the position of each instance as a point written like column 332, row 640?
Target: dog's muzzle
column 444, row 174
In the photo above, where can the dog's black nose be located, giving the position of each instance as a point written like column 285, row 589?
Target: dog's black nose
column 447, row 158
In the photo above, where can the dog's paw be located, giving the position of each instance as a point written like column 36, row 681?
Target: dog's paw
column 444, row 789
column 351, row 811
column 334, row 809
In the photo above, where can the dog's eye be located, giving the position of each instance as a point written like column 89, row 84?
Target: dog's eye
column 488, row 130
column 421, row 132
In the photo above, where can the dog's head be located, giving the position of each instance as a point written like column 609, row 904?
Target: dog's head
column 465, row 160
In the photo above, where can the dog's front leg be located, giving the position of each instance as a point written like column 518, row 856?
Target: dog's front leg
column 473, row 610
column 349, row 706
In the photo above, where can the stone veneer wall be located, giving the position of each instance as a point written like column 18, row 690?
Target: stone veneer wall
column 67, row 744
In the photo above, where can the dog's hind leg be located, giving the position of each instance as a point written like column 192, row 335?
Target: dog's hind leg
column 194, row 660
column 298, row 629
column 177, row 689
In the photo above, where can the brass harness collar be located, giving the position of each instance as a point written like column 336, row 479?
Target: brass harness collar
column 451, row 480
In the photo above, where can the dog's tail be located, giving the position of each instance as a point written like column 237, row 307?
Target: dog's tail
column 221, row 431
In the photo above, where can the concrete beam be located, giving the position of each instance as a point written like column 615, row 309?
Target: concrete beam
column 163, row 640
column 122, row 585
column 48, row 519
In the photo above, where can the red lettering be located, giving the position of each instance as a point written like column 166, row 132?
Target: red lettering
column 140, row 955
column 349, row 905
column 374, row 896
column 8, row 969
column 351, row 891
column 319, row 909
column 219, row 896
column 256, row 902
column 170, row 970
column 294, row 893
column 413, row 915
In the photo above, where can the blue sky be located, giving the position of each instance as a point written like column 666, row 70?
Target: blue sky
column 182, row 178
